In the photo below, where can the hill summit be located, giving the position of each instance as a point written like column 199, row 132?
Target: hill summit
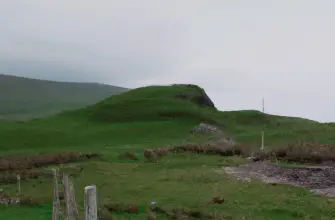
column 153, row 103
column 200, row 97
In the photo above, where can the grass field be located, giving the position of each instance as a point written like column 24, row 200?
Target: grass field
column 153, row 117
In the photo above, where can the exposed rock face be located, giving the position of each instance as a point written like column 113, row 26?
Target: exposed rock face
column 201, row 99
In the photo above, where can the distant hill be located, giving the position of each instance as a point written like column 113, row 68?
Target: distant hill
column 24, row 98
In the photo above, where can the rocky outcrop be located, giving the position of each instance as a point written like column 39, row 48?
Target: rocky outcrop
column 201, row 98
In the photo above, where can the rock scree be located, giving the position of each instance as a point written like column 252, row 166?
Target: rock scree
column 319, row 179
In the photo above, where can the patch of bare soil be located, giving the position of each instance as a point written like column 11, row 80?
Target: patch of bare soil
column 319, row 179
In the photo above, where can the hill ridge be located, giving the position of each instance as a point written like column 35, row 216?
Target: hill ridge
column 25, row 98
column 152, row 103
column 2, row 74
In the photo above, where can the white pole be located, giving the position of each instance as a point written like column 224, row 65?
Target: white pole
column 262, row 147
column 91, row 203
column 263, row 105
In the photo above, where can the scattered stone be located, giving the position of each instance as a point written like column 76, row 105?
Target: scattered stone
column 238, row 174
column 205, row 128
column 153, row 205
column 6, row 200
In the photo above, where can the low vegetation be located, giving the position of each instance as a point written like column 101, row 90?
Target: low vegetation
column 40, row 160
column 298, row 152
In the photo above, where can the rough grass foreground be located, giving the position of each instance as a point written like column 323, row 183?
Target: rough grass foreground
column 179, row 182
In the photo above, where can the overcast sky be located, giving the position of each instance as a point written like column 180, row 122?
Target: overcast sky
column 238, row 50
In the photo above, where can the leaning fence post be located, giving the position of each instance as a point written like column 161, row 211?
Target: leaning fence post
column 71, row 209
column 73, row 214
column 91, row 212
column 66, row 194
column 56, row 203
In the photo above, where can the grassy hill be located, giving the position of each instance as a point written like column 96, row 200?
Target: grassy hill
column 160, row 116
column 23, row 98
column 151, row 114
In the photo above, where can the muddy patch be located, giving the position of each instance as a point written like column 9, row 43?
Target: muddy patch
column 319, row 179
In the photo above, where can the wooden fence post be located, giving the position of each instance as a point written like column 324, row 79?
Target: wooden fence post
column 56, row 203
column 91, row 209
column 18, row 183
column 73, row 212
column 66, row 194
column 71, row 209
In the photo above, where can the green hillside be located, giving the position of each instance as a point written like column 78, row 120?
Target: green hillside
column 23, row 98
column 155, row 117
column 155, row 111
column 153, row 103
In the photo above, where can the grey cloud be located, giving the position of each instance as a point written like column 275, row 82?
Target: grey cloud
column 240, row 51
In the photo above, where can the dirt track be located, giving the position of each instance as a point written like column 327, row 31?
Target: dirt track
column 320, row 180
